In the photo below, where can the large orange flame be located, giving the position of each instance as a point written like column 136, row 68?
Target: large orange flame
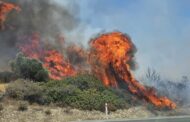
column 58, row 66
column 109, row 57
column 6, row 8
column 52, row 59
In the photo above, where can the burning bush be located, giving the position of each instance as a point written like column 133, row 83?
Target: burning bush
column 29, row 68
column 56, row 63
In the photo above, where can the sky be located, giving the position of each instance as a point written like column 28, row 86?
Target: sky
column 159, row 29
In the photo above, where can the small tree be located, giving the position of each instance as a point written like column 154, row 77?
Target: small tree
column 29, row 68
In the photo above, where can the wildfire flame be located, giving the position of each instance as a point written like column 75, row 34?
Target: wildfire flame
column 5, row 9
column 109, row 57
column 57, row 65
column 52, row 59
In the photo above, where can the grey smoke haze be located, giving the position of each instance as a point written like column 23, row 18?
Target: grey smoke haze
column 178, row 90
column 159, row 29
column 46, row 17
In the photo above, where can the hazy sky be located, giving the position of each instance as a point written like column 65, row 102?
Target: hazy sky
column 160, row 29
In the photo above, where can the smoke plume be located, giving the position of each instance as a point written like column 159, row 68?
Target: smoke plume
column 45, row 17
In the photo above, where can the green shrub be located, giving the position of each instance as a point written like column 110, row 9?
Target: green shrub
column 84, row 82
column 29, row 68
column 26, row 90
column 92, row 99
column 6, row 77
column 23, row 106
column 83, row 92
column 57, row 91
column 77, row 92
column 48, row 112
column 1, row 107
column 58, row 94
column 16, row 89
column 126, row 95
column 2, row 95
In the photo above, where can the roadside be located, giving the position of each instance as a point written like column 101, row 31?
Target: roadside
column 36, row 113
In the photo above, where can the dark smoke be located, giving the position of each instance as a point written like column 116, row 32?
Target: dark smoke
column 78, row 57
column 45, row 17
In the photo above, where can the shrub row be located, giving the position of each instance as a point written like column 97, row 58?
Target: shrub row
column 82, row 92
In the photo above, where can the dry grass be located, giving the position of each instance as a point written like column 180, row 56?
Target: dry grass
column 36, row 113
column 3, row 87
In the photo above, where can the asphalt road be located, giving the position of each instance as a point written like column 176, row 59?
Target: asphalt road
column 158, row 119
